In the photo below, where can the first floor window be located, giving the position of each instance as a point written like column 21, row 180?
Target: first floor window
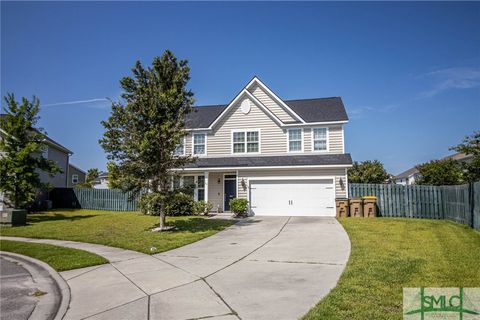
column 320, row 139
column 200, row 188
column 195, row 185
column 294, row 140
column 199, row 143
column 246, row 141
column 74, row 178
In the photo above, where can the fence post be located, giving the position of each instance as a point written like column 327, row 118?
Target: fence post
column 471, row 203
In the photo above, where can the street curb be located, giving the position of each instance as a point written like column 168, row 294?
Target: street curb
column 61, row 285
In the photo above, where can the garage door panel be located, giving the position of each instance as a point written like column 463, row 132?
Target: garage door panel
column 293, row 197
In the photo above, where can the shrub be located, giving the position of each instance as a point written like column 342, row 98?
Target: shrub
column 239, row 206
column 150, row 204
column 179, row 204
column 176, row 204
column 203, row 207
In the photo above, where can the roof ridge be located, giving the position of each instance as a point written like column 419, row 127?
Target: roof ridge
column 304, row 99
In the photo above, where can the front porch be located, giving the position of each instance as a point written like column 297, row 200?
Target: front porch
column 213, row 186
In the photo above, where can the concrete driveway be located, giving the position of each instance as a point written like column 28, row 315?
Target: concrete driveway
column 260, row 268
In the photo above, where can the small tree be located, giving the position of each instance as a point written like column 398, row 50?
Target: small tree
column 144, row 130
column 369, row 171
column 114, row 177
column 470, row 146
column 440, row 172
column 22, row 143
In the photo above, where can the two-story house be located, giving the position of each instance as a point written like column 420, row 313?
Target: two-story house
column 285, row 157
column 52, row 150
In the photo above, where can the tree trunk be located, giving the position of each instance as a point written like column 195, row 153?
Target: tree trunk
column 162, row 219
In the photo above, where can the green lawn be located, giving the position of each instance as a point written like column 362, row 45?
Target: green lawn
column 389, row 254
column 59, row 258
column 127, row 230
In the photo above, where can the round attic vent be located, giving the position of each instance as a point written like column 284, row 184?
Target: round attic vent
column 245, row 106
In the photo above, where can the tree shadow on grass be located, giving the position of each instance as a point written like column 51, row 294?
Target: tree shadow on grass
column 195, row 224
column 57, row 217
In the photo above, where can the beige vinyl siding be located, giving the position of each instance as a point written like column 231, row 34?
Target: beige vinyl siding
column 297, row 173
column 335, row 137
column 215, row 190
column 271, row 142
column 274, row 107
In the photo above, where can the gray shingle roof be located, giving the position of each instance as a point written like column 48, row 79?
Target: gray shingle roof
column 273, row 161
column 320, row 109
column 310, row 110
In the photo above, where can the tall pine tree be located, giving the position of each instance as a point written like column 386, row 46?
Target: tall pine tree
column 21, row 146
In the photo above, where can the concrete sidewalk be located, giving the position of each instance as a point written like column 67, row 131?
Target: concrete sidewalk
column 260, row 268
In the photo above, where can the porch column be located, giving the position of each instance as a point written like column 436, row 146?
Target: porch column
column 206, row 185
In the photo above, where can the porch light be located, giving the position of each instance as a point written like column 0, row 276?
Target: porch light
column 342, row 185
column 218, row 180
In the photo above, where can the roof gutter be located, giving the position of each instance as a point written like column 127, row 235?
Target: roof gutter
column 266, row 167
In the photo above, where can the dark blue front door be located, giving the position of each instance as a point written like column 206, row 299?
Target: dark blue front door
column 230, row 192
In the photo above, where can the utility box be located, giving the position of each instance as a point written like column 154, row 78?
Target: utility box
column 356, row 207
column 370, row 207
column 13, row 217
column 343, row 209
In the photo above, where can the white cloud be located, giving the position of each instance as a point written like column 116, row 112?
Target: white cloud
column 450, row 79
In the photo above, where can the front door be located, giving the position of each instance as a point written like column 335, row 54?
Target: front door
column 230, row 190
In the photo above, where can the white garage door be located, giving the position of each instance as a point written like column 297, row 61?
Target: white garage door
column 293, row 198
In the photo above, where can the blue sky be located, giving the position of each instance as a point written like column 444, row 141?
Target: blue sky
column 408, row 73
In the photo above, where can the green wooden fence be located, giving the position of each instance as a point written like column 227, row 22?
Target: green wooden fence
column 98, row 199
column 458, row 203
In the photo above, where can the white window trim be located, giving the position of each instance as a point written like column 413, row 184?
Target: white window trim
column 245, row 142
column 288, row 140
column 195, row 176
column 328, row 140
column 184, row 147
column 193, row 144
column 74, row 176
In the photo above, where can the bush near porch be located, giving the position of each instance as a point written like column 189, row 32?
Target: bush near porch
column 128, row 230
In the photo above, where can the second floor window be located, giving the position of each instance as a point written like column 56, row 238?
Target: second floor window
column 45, row 151
column 295, row 140
column 320, row 139
column 180, row 148
column 199, row 143
column 246, row 142
column 74, row 178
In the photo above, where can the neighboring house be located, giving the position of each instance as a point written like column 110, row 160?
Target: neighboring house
column 407, row 177
column 58, row 153
column 412, row 175
column 101, row 182
column 285, row 157
column 75, row 175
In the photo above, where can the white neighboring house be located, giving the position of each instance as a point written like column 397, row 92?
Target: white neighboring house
column 101, row 182
column 407, row 177
column 286, row 157
column 412, row 175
